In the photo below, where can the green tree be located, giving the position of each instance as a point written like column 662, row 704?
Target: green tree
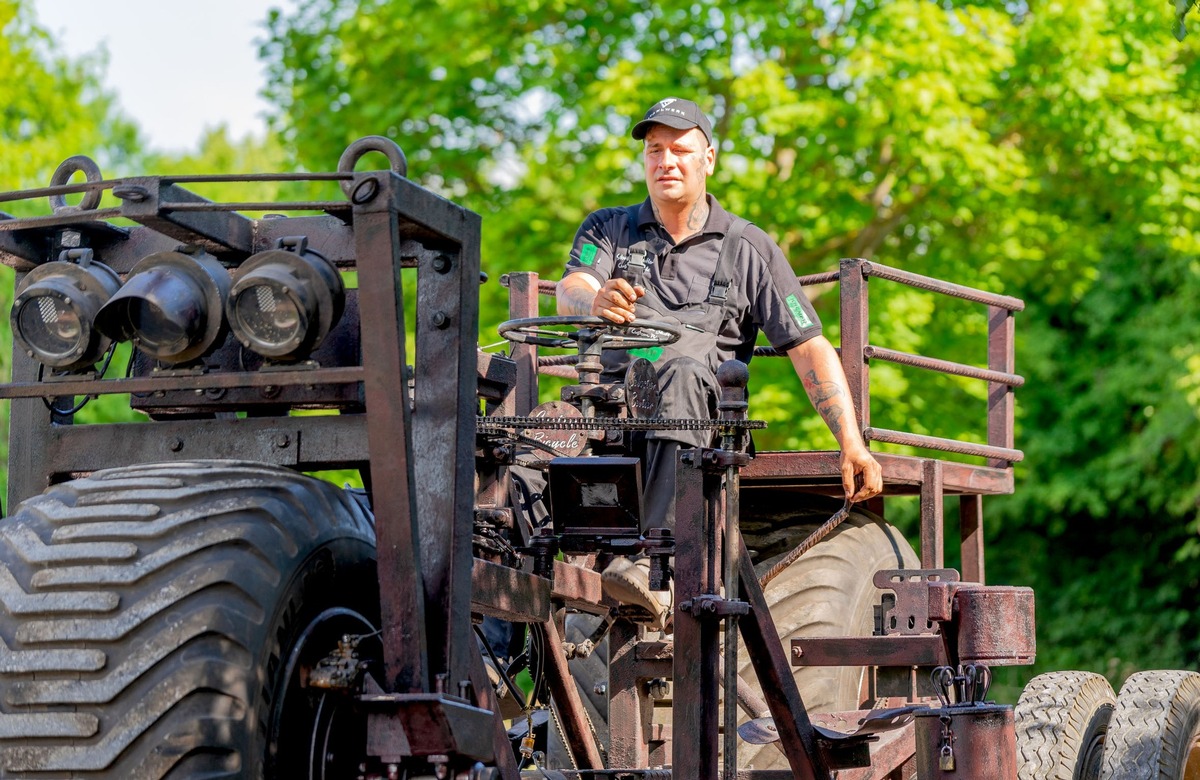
column 54, row 107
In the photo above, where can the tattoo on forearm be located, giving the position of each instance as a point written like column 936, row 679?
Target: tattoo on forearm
column 825, row 397
column 578, row 300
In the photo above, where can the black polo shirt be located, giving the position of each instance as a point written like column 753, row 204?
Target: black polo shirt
column 764, row 294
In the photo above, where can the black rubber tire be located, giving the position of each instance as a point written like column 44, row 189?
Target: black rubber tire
column 154, row 618
column 1155, row 729
column 828, row 591
column 1062, row 721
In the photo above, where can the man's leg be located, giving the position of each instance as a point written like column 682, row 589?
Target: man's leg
column 687, row 390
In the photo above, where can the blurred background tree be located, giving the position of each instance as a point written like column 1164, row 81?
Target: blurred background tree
column 1042, row 150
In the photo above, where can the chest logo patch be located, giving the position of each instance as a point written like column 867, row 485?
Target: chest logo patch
column 587, row 255
column 798, row 312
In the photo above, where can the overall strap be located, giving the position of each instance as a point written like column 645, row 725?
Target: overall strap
column 722, row 277
column 634, row 260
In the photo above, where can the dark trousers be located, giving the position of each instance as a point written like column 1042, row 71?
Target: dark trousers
column 687, row 390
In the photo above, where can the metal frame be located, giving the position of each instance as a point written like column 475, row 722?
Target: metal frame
column 434, row 701
column 424, row 506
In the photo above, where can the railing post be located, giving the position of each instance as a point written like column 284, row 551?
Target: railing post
column 855, row 319
column 970, row 512
column 933, row 530
column 1001, row 357
column 522, row 303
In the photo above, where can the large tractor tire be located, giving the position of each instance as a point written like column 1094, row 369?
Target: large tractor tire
column 1062, row 720
column 1155, row 728
column 828, row 591
column 159, row 621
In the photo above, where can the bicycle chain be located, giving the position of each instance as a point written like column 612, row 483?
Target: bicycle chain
column 612, row 423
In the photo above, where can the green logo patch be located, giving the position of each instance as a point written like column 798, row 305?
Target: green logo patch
column 802, row 318
column 587, row 255
column 650, row 353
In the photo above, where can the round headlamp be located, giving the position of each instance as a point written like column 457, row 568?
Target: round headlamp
column 285, row 301
column 170, row 306
column 55, row 308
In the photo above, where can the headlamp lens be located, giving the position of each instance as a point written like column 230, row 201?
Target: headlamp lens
column 50, row 327
column 270, row 319
column 285, row 302
column 56, row 303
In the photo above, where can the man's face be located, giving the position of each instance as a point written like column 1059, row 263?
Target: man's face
column 677, row 164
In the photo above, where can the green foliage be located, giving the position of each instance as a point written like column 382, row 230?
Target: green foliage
column 1182, row 8
column 53, row 108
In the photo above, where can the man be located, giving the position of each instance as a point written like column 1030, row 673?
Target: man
column 680, row 257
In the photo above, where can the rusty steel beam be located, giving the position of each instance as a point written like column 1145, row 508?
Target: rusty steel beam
column 146, row 200
column 509, row 594
column 577, row 730
column 178, row 382
column 901, row 473
column 577, row 588
column 523, row 303
column 445, row 407
column 307, row 443
column 696, row 675
column 855, row 335
column 895, row 650
column 770, row 663
column 1001, row 403
column 630, row 710
column 933, row 524
column 970, row 513
column 389, row 441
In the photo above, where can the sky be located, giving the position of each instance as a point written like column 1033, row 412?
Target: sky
column 177, row 66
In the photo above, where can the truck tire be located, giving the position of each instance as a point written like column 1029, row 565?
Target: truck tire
column 828, row 591
column 1155, row 729
column 1062, row 719
column 156, row 622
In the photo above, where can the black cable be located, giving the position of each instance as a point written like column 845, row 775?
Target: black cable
column 517, row 693
column 108, row 356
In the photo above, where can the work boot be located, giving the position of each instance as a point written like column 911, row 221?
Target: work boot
column 628, row 581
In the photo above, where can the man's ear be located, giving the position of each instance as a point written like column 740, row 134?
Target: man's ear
column 711, row 155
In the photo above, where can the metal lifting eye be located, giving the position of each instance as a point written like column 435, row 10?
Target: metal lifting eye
column 55, row 308
column 171, row 307
column 285, row 301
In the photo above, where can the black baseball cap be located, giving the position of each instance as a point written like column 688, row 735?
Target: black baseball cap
column 674, row 112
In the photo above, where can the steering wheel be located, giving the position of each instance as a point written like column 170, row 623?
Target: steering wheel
column 578, row 331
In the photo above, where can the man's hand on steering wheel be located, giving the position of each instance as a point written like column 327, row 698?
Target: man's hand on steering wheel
column 616, row 300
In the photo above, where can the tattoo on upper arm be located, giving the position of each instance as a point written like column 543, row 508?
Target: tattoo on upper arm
column 825, row 396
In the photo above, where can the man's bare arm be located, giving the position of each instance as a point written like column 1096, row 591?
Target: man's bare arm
column 581, row 294
column 575, row 295
column 820, row 371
